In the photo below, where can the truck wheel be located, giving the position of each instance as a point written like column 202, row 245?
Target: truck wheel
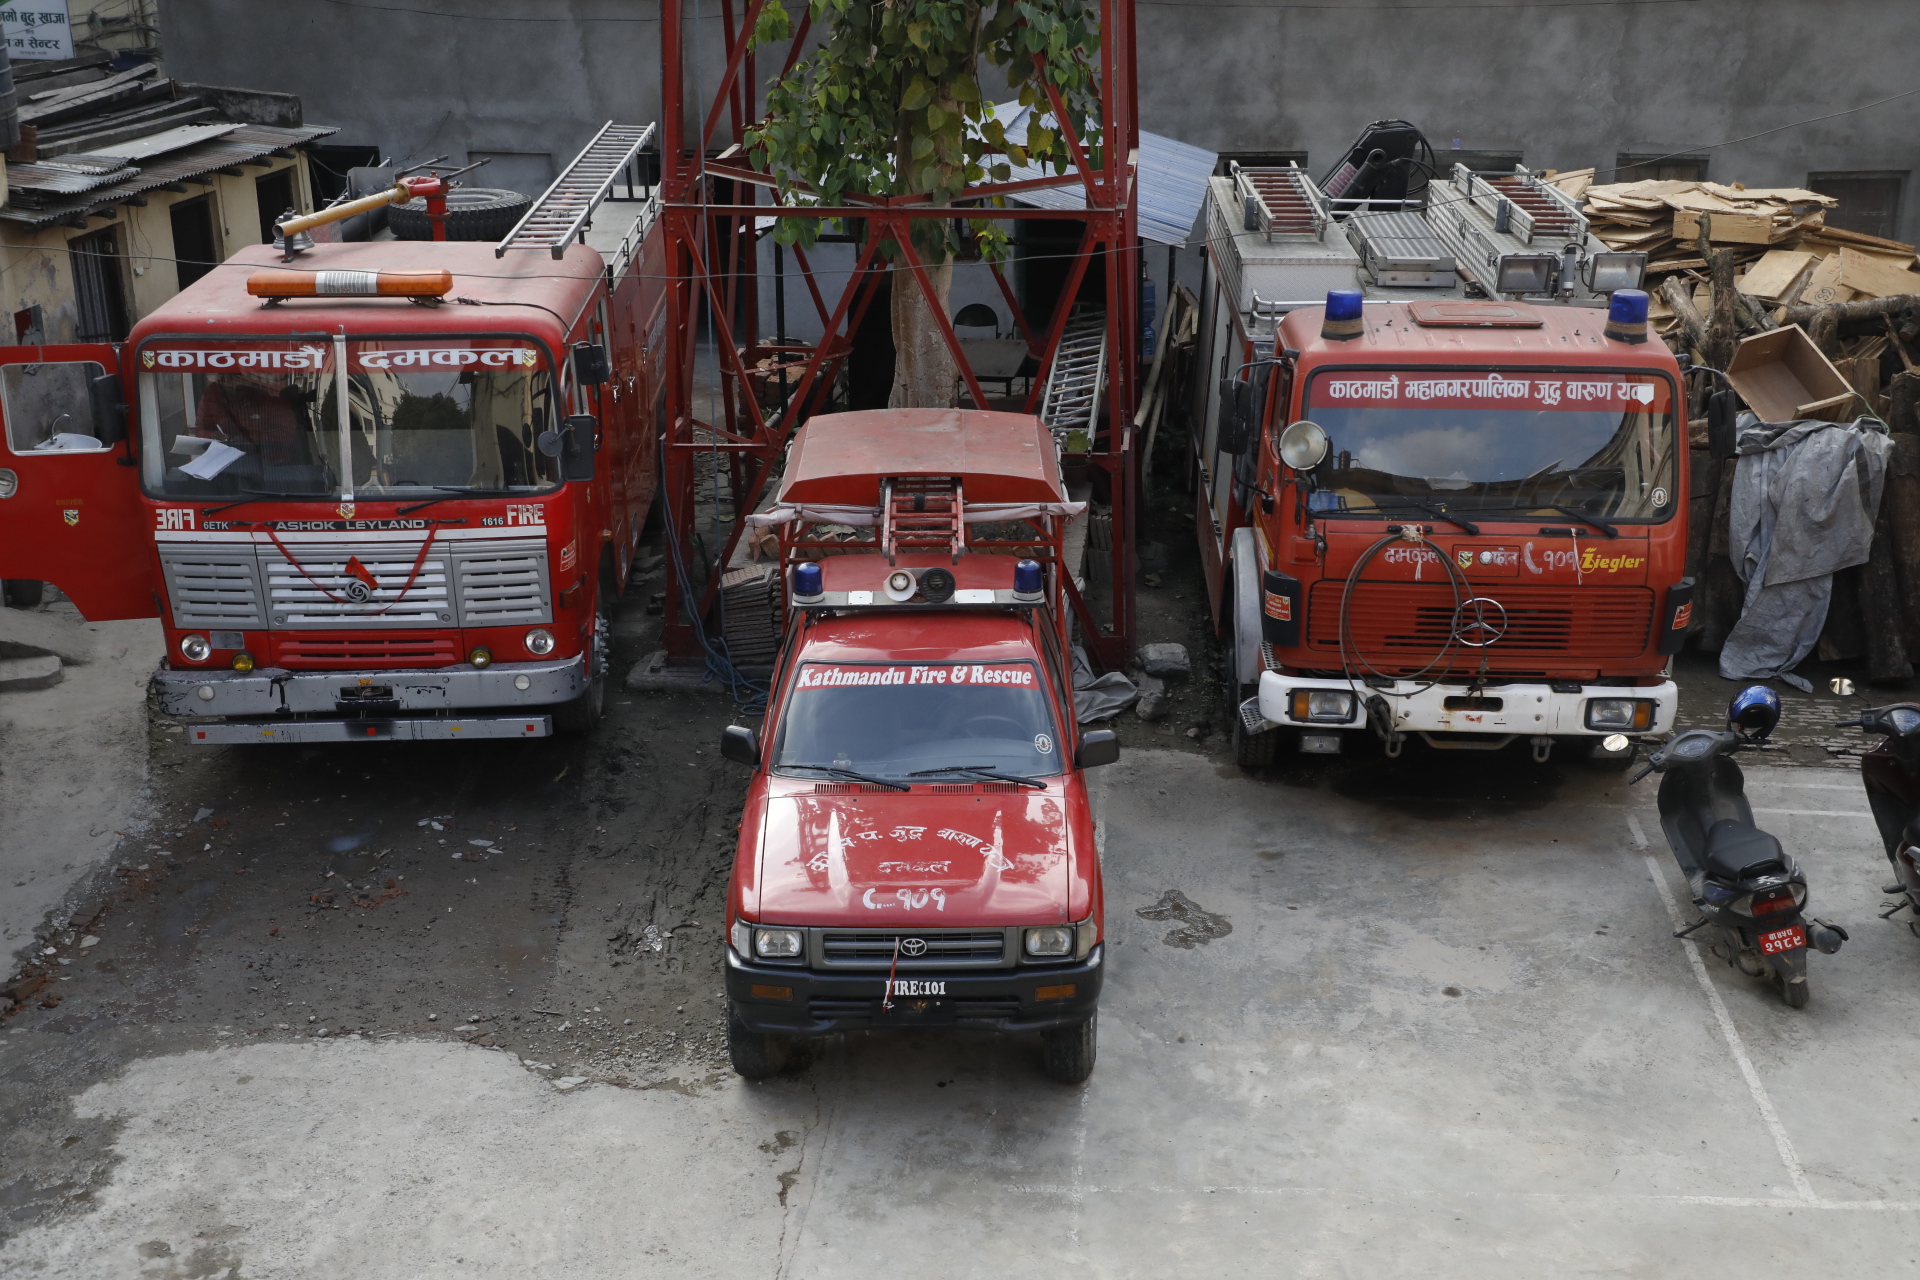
column 583, row 713
column 756, row 1055
column 1067, row 1053
column 473, row 213
column 1250, row 750
column 24, row 593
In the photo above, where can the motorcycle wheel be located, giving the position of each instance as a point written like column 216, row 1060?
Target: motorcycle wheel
column 1796, row 994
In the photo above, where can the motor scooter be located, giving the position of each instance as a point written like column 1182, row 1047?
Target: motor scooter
column 1746, row 886
column 1891, row 774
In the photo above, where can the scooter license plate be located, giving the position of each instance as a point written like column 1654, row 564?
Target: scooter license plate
column 1791, row 938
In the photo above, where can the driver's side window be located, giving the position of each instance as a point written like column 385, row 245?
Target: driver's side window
column 49, row 407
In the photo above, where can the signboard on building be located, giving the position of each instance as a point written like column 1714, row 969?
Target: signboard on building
column 35, row 29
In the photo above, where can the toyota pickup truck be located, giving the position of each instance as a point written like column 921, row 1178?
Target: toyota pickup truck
column 917, row 848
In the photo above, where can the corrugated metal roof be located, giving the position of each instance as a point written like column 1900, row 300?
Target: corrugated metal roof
column 158, row 144
column 62, row 179
column 248, row 142
column 1172, row 176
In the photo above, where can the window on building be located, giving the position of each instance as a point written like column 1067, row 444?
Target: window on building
column 1869, row 202
column 1501, row 162
column 1259, row 160
column 99, row 287
column 195, row 250
column 274, row 192
column 1656, row 168
column 327, row 169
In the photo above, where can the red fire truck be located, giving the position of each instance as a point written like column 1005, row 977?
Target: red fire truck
column 1448, row 501
column 378, row 490
column 917, row 848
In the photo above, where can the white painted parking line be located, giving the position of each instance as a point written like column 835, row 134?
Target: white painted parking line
column 1819, row 813
column 1459, row 1193
column 1728, row 1031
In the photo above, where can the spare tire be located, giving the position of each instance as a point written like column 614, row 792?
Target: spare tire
column 473, row 213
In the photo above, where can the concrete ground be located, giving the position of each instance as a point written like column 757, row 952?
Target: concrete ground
column 420, row 1010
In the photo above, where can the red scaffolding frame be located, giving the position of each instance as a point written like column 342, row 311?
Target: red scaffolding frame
column 711, row 254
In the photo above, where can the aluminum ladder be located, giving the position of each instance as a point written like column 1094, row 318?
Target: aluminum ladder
column 560, row 215
column 1079, row 374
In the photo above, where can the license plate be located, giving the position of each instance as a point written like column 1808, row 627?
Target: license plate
column 919, row 988
column 1791, row 938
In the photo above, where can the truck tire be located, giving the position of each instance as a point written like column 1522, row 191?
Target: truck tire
column 756, row 1055
column 1250, row 750
column 1067, row 1053
column 1239, row 610
column 473, row 213
column 23, row 593
column 583, row 713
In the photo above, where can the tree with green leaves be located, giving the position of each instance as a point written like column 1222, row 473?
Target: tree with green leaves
column 890, row 103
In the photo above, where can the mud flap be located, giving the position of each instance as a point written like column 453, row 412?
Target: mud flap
column 1790, row 967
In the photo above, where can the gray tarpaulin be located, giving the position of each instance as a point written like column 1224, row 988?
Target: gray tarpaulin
column 1098, row 697
column 1805, row 494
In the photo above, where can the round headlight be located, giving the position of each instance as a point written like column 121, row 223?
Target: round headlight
column 1303, row 446
column 539, row 642
column 195, row 648
column 480, row 657
column 243, row 661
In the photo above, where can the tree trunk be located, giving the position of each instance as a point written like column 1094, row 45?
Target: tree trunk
column 1902, row 504
column 1705, row 476
column 1903, row 402
column 1722, row 595
column 923, row 368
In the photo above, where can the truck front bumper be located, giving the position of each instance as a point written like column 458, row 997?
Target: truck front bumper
column 427, row 729
column 818, row 1004
column 273, row 692
column 1524, row 710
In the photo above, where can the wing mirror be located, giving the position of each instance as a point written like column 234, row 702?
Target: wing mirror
column 590, row 365
column 573, row 444
column 109, row 409
column 740, row 745
column 1097, row 747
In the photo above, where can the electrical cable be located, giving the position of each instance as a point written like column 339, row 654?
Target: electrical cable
column 1350, row 653
column 750, row 694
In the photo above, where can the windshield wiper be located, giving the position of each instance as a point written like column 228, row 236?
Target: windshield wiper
column 1601, row 525
column 983, row 770
column 838, row 772
column 1472, row 529
column 257, row 496
column 452, row 491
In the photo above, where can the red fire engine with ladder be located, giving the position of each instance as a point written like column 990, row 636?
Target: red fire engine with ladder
column 1439, row 466
column 378, row 490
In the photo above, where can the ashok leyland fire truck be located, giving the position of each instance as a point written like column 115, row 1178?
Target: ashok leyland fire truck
column 917, row 848
column 378, row 490
column 1440, row 469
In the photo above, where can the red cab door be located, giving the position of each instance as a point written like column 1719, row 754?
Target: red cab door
column 70, row 509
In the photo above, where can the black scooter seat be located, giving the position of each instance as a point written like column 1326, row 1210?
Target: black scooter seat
column 1739, row 851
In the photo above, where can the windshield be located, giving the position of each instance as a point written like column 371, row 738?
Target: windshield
column 419, row 419
column 891, row 720
column 1601, row 444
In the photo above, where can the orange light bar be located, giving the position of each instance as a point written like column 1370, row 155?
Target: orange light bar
column 350, row 284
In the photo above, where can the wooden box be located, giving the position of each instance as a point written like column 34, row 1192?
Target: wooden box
column 1782, row 376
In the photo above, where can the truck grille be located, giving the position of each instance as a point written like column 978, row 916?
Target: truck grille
column 313, row 593
column 1414, row 619
column 873, row 948
column 210, row 591
column 498, row 590
column 384, row 651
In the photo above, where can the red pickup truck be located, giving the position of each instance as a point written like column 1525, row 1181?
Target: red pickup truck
column 917, row 848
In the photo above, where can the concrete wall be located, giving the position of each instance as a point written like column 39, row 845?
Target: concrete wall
column 1566, row 86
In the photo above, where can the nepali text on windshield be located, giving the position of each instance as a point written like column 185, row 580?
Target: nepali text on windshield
column 1529, row 442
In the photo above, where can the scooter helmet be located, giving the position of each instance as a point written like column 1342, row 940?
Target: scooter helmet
column 1754, row 712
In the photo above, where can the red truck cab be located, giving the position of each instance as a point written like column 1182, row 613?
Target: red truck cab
column 917, row 847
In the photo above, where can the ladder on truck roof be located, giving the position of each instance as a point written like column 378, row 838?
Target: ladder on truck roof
column 1523, row 206
column 1078, row 375
column 1280, row 201
column 560, row 215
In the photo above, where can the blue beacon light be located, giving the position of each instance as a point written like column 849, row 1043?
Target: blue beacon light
column 1028, row 581
column 807, row 585
column 1627, row 316
column 1343, row 315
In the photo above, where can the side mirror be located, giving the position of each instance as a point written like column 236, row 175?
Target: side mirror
column 590, row 365
column 1722, row 409
column 573, row 444
column 1097, row 747
column 740, row 745
column 109, row 409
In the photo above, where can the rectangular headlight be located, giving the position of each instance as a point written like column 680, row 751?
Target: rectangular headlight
column 776, row 944
column 1619, row 713
column 1051, row 941
column 1326, row 706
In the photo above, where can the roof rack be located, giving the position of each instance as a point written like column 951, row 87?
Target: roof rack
column 1522, row 205
column 560, row 215
column 1280, row 201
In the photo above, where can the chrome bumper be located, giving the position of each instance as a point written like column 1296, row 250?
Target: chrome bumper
column 1527, row 710
column 228, row 732
column 272, row 692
